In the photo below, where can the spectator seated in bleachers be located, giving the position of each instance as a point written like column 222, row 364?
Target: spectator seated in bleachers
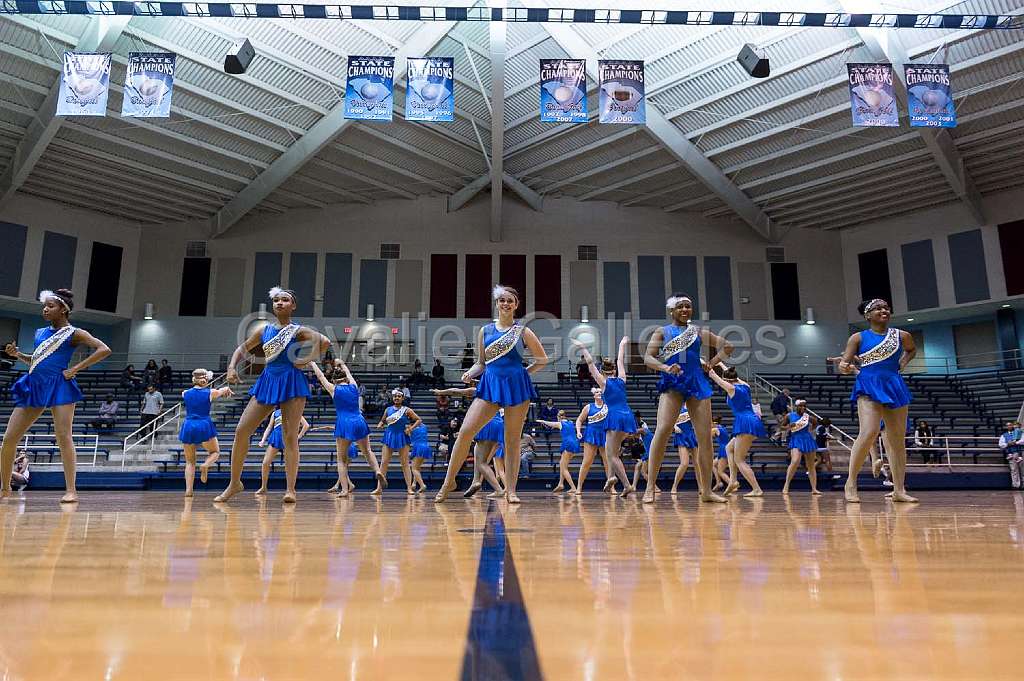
column 1012, row 444
column 151, row 373
column 129, row 379
column 437, row 374
column 20, row 474
column 106, row 417
column 446, row 435
column 527, row 452
column 164, row 377
column 780, row 409
column 923, row 441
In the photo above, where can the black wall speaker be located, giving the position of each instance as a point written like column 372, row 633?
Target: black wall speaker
column 754, row 63
column 239, row 57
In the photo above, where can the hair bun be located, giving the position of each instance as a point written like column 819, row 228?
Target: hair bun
column 65, row 293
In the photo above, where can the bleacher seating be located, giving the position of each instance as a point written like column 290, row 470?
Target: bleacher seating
column 967, row 404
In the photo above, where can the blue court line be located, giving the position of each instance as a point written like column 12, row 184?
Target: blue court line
column 499, row 643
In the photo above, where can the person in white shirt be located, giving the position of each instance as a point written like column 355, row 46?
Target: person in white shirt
column 152, row 405
column 1012, row 444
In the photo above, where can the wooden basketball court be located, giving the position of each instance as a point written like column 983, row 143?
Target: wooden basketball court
column 150, row 585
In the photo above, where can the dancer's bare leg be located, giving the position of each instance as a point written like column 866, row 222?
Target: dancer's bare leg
column 811, row 463
column 479, row 413
column 482, row 470
column 63, row 417
column 417, row 476
column 252, row 416
column 564, row 476
column 869, row 415
column 684, row 463
column 589, row 452
column 341, row 446
column 895, row 445
column 212, row 448
column 741, row 445
column 190, row 468
column 268, row 459
column 612, row 448
column 700, row 417
column 403, row 459
column 515, row 417
column 669, row 404
column 291, row 420
column 794, row 463
column 499, row 470
column 18, row 424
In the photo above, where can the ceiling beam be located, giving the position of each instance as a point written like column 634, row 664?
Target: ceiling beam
column 498, row 37
column 463, row 196
column 365, row 179
column 633, row 179
column 550, row 187
column 319, row 136
column 676, row 143
column 100, row 35
column 886, row 45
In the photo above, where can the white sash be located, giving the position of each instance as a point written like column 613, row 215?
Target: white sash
column 680, row 343
column 503, row 344
column 50, row 346
column 801, row 423
column 276, row 345
column 395, row 416
column 599, row 416
column 684, row 417
column 277, row 420
column 889, row 346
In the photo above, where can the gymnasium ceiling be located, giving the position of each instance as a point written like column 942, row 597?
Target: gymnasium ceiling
column 780, row 151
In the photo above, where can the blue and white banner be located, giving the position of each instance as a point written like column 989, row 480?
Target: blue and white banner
column 872, row 98
column 621, row 97
column 431, row 92
column 563, row 90
column 369, row 89
column 84, row 84
column 929, row 97
column 148, row 85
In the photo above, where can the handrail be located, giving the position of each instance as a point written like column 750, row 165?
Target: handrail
column 774, row 390
column 172, row 415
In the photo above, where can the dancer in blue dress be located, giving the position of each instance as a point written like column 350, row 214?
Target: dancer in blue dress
column 197, row 428
column 420, row 452
column 746, row 427
column 685, row 441
column 484, row 447
column 877, row 355
column 49, row 384
column 800, row 425
column 504, row 383
column 287, row 349
column 570, row 445
column 350, row 428
column 273, row 440
column 674, row 351
column 590, row 429
column 721, row 437
column 619, row 423
column 646, row 436
column 398, row 421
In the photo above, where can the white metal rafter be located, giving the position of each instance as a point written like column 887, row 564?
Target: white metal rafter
column 676, row 143
column 100, row 35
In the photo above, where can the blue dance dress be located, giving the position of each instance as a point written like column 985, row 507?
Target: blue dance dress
column 879, row 378
column 349, row 423
column 647, row 438
column 597, row 418
column 802, row 439
column 570, row 443
column 276, row 439
column 421, row 442
column 197, row 427
column 396, row 419
column 745, row 421
column 686, row 437
column 280, row 381
column 44, row 385
column 620, row 416
column 723, row 440
column 505, row 381
column 493, row 430
column 681, row 346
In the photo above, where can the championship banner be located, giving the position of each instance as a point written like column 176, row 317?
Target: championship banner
column 872, row 99
column 84, row 84
column 929, row 98
column 431, row 92
column 621, row 96
column 563, row 91
column 369, row 88
column 148, row 85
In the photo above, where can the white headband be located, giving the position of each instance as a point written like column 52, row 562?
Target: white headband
column 43, row 295
column 498, row 290
column 799, row 402
column 277, row 290
column 874, row 304
column 397, row 391
column 675, row 300
column 204, row 373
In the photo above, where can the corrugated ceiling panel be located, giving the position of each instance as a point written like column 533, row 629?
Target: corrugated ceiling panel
column 622, row 151
column 577, row 136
